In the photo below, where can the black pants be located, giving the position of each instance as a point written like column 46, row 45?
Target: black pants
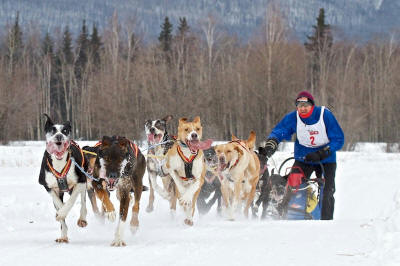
column 328, row 201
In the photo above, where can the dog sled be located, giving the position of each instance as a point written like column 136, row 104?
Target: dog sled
column 290, row 196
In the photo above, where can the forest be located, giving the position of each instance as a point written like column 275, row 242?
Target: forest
column 110, row 82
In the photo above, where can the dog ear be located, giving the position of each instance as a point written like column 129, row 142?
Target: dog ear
column 49, row 124
column 68, row 126
column 106, row 141
column 123, row 142
column 196, row 119
column 251, row 141
column 234, row 137
column 182, row 120
column 167, row 118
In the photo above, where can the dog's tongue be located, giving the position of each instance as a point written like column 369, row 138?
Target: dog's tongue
column 150, row 137
column 153, row 138
column 57, row 150
column 201, row 145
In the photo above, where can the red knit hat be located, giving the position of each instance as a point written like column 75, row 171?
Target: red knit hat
column 307, row 95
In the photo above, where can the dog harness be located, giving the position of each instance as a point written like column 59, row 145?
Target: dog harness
column 134, row 148
column 62, row 177
column 188, row 163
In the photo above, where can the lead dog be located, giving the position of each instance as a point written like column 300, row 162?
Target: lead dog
column 59, row 175
column 239, row 169
column 121, row 164
column 159, row 142
column 185, row 163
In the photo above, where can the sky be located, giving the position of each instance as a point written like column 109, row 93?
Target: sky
column 365, row 230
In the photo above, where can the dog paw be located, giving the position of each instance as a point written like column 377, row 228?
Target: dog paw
column 188, row 222
column 134, row 229
column 60, row 216
column 110, row 216
column 82, row 223
column 165, row 195
column 62, row 240
column 118, row 243
column 149, row 208
column 186, row 200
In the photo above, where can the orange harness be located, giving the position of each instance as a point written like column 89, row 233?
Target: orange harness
column 64, row 171
column 134, row 148
column 184, row 158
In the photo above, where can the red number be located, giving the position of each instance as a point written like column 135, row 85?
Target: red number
column 312, row 138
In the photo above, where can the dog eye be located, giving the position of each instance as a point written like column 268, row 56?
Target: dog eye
column 228, row 151
column 186, row 129
column 64, row 131
column 197, row 129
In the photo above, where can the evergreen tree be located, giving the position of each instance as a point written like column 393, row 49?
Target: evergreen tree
column 183, row 27
column 14, row 44
column 48, row 45
column 319, row 48
column 322, row 38
column 64, row 58
column 95, row 47
column 165, row 37
column 66, row 53
column 82, row 51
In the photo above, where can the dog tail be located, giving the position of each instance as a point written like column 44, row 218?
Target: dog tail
column 251, row 141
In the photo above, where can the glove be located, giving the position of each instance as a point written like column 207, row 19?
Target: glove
column 270, row 147
column 318, row 156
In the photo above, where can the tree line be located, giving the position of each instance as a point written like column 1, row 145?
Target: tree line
column 111, row 82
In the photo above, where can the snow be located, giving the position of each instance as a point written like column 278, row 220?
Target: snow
column 366, row 229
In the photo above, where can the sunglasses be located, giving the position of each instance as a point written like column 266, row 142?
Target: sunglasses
column 303, row 104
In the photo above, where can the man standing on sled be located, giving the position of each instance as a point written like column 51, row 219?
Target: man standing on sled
column 318, row 137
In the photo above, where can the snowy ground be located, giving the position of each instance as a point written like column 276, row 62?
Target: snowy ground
column 366, row 229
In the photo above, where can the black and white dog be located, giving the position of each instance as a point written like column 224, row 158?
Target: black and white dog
column 59, row 174
column 159, row 142
column 211, row 184
column 270, row 191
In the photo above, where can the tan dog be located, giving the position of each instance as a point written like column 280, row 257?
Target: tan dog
column 239, row 169
column 185, row 164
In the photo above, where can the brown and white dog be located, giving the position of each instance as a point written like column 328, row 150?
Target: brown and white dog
column 59, row 174
column 121, row 164
column 98, row 187
column 159, row 142
column 185, row 163
column 239, row 169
